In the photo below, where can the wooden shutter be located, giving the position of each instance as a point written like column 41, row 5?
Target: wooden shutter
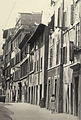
column 58, row 17
column 51, row 57
column 61, row 55
column 71, row 51
column 64, row 55
column 57, row 54
column 64, row 19
column 72, row 15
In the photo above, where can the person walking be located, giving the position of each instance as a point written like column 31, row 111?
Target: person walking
column 52, row 103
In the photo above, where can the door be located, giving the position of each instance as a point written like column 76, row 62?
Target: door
column 36, row 94
column 76, row 95
column 71, row 98
column 40, row 92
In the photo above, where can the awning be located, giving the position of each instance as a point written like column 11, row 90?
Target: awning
column 26, row 37
column 37, row 33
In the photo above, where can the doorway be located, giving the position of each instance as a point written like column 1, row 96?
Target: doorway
column 71, row 98
column 20, row 91
column 40, row 92
column 76, row 95
column 36, row 95
column 55, row 88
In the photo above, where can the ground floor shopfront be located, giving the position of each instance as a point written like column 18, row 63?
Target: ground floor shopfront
column 76, row 81
column 54, row 86
column 36, row 88
column 72, row 89
column 17, row 91
column 67, row 90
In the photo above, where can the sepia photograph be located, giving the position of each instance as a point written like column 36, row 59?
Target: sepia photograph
column 40, row 59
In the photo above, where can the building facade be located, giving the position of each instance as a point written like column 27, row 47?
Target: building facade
column 70, row 46
column 71, row 67
column 7, row 35
column 38, row 65
column 1, row 75
column 55, row 66
column 24, row 28
column 42, row 60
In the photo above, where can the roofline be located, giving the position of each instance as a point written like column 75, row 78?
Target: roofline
column 38, row 32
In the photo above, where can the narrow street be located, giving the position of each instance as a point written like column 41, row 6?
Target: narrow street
column 24, row 111
column 5, row 113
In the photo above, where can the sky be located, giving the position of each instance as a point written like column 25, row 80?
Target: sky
column 9, row 10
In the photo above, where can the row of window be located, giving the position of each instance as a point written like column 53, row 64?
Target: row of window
column 35, row 65
column 57, row 55
column 64, row 54
column 56, row 19
column 24, row 68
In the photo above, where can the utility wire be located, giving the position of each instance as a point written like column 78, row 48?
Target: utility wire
column 10, row 14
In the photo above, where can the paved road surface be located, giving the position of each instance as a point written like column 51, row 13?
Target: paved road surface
column 24, row 111
column 4, row 113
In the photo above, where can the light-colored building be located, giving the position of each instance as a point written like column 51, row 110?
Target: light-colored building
column 55, row 66
column 68, row 12
column 71, row 67
column 24, row 28
column 7, row 36
column 38, row 65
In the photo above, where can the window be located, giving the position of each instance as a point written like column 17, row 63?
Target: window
column 57, row 53
column 37, row 65
column 41, row 64
column 72, row 15
column 12, row 62
column 51, row 57
column 55, row 87
column 58, row 17
column 78, row 35
column 64, row 55
column 64, row 19
column 31, row 66
column 71, row 51
column 24, row 68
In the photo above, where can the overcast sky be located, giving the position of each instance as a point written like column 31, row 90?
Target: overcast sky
column 9, row 10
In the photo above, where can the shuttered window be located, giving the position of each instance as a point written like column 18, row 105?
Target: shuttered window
column 72, row 15
column 59, row 16
column 37, row 65
column 17, row 58
column 24, row 68
column 31, row 66
column 78, row 42
column 71, row 51
column 61, row 55
column 64, row 19
column 41, row 64
column 64, row 55
column 57, row 53
column 51, row 57
column 12, row 62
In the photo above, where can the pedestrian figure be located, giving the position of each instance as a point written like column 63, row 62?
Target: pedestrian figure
column 52, row 103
